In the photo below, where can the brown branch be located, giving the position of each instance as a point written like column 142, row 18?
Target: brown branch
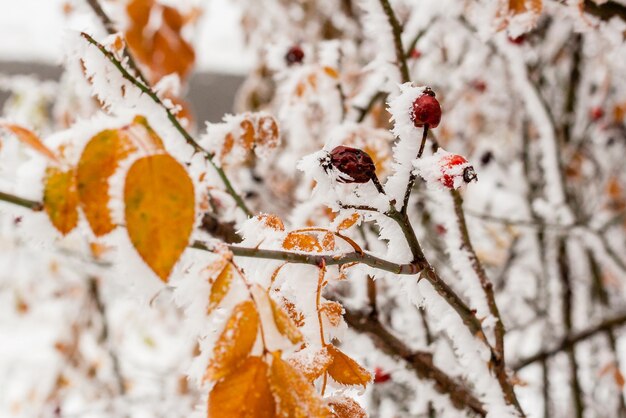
column 605, row 11
column 497, row 358
column 573, row 339
column 396, row 30
column 421, row 362
column 20, row 201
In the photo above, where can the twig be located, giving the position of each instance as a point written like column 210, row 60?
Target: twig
column 172, row 118
column 396, row 30
column 413, row 175
column 421, row 362
column 20, row 201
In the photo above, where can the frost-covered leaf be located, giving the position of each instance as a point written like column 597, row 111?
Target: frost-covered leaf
column 348, row 222
column 236, row 341
column 220, row 287
column 333, row 311
column 29, row 138
column 285, row 325
column 300, row 241
column 523, row 6
column 311, row 366
column 272, row 221
column 60, row 198
column 245, row 393
column 98, row 162
column 344, row 407
column 159, row 211
column 295, row 395
column 345, row 370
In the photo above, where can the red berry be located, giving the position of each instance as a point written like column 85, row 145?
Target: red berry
column 354, row 162
column 518, row 40
column 455, row 166
column 380, row 376
column 426, row 110
column 479, row 85
column 416, row 53
column 596, row 113
column 295, row 55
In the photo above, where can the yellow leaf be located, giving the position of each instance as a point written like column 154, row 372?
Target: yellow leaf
column 285, row 325
column 245, row 393
column 331, row 72
column 29, row 138
column 295, row 396
column 301, row 242
column 98, row 162
column 60, row 199
column 235, row 342
column 346, row 371
column 344, row 407
column 143, row 136
column 333, row 311
column 522, row 6
column 220, row 287
column 159, row 199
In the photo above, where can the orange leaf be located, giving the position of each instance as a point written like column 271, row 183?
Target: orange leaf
column 98, row 162
column 346, row 371
column 301, row 242
column 618, row 377
column 296, row 316
column 272, row 221
column 235, row 342
column 285, row 325
column 333, row 311
column 29, row 138
column 159, row 199
column 143, row 136
column 268, row 135
column 60, row 199
column 220, row 287
column 344, row 407
column 348, row 222
column 328, row 241
column 295, row 396
column 522, row 6
column 245, row 393
column 247, row 134
column 331, row 72
column 314, row 367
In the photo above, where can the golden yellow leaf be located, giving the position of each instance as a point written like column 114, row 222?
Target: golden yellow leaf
column 328, row 241
column 60, row 198
column 314, row 366
column 285, row 325
column 295, row 395
column 331, row 72
column 348, row 222
column 247, row 134
column 245, row 393
column 344, row 407
column 220, row 287
column 29, row 138
column 301, row 242
column 345, row 370
column 522, row 6
column 333, row 311
column 159, row 199
column 268, row 135
column 98, row 162
column 143, row 136
column 236, row 341
column 272, row 221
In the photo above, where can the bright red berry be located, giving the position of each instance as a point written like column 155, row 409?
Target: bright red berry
column 295, row 55
column 354, row 162
column 455, row 166
column 416, row 53
column 380, row 376
column 426, row 110
column 596, row 113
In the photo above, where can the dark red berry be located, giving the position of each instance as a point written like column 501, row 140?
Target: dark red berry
column 479, row 85
column 518, row 40
column 596, row 113
column 380, row 376
column 355, row 163
column 426, row 110
column 295, row 55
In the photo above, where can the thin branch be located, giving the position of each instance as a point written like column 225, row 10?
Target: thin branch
column 20, row 201
column 421, row 362
column 413, row 175
column 396, row 30
column 172, row 118
column 605, row 11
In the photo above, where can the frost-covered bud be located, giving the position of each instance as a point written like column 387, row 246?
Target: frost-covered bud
column 295, row 55
column 426, row 110
column 445, row 169
column 357, row 164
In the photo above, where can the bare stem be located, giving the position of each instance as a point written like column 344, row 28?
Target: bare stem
column 20, row 201
column 396, row 30
column 413, row 176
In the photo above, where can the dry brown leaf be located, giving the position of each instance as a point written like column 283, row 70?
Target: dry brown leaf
column 236, row 341
column 245, row 393
column 345, row 370
column 285, row 325
column 220, row 287
column 29, row 138
column 60, row 198
column 333, row 311
column 98, row 162
column 301, row 242
column 159, row 211
column 295, row 396
column 344, row 407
